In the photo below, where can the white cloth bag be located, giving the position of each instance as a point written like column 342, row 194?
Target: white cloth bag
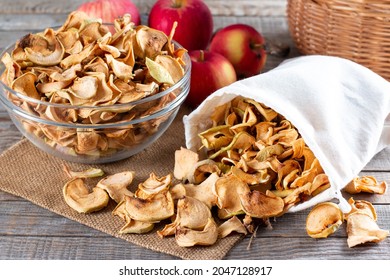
column 338, row 106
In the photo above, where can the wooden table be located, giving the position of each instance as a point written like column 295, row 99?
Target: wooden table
column 30, row 232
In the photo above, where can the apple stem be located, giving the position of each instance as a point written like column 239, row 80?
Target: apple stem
column 257, row 46
column 201, row 55
column 178, row 3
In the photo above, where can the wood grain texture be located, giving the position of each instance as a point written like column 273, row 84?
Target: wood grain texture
column 74, row 248
column 217, row 7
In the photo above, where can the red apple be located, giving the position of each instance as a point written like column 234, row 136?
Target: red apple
column 195, row 22
column 109, row 10
column 209, row 72
column 243, row 46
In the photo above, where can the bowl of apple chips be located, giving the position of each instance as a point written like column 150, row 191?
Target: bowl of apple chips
column 91, row 92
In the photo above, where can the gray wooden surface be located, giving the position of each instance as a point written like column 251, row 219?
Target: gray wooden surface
column 30, row 232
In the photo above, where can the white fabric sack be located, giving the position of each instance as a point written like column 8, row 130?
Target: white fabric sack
column 338, row 106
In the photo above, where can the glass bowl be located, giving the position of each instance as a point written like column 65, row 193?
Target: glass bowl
column 140, row 123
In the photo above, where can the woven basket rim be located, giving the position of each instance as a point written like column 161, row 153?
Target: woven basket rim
column 354, row 29
column 361, row 7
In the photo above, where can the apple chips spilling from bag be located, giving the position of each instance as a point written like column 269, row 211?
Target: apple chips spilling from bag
column 260, row 148
column 257, row 167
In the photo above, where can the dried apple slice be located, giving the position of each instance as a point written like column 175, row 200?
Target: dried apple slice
column 249, row 119
column 259, row 205
column 116, row 185
column 78, row 197
column 25, row 84
column 52, row 58
column 260, row 177
column 88, row 173
column 153, row 209
column 159, row 72
column 323, row 220
column 184, row 161
column 367, row 184
column 227, row 191
column 121, row 70
column 216, row 137
column 267, row 113
column 201, row 170
column 153, row 185
column 87, row 140
column 131, row 226
column 149, row 42
column 361, row 228
column 361, row 206
column 85, row 87
column 231, row 225
column 186, row 237
column 173, row 67
column 191, row 213
column 204, row 191
column 241, row 141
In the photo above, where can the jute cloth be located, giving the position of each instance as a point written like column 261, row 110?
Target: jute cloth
column 38, row 177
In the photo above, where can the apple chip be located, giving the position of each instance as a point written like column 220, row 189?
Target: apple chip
column 153, row 209
column 259, row 205
column 184, row 161
column 25, row 84
column 85, row 87
column 186, row 237
column 149, row 42
column 78, row 197
column 324, row 219
column 153, row 185
column 116, row 185
column 131, row 226
column 228, row 190
column 88, row 173
column 201, row 170
column 191, row 213
column 361, row 206
column 361, row 228
column 159, row 72
column 231, row 225
column 203, row 192
column 216, row 137
column 38, row 54
column 367, row 184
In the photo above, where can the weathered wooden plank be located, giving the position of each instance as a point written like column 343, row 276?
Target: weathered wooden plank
column 217, row 7
column 279, row 243
column 273, row 248
column 12, row 22
column 274, row 29
column 9, row 134
column 4, row 196
column 20, row 22
column 291, row 248
column 380, row 161
column 71, row 248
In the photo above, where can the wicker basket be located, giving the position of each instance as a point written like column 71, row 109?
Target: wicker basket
column 358, row 30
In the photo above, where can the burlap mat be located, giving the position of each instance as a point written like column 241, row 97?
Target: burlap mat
column 38, row 177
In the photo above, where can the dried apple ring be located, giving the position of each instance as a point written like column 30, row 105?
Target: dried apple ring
column 323, row 220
